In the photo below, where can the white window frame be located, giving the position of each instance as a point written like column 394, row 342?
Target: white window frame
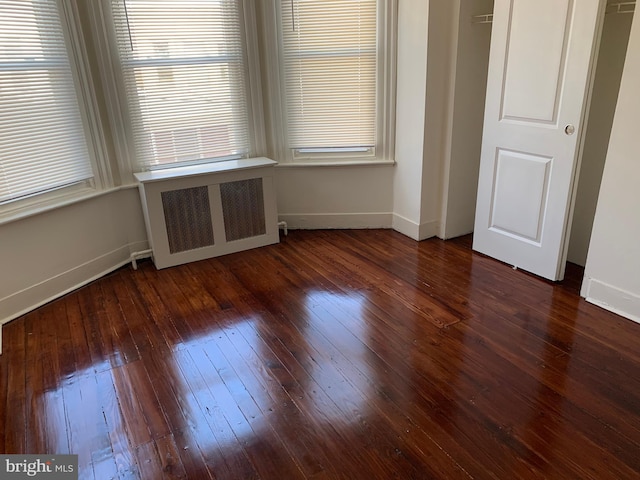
column 273, row 75
column 103, row 108
column 113, row 85
column 84, row 86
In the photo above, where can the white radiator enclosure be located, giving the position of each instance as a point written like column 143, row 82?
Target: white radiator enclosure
column 197, row 212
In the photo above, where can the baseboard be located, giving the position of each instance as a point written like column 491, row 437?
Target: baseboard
column 317, row 221
column 25, row 300
column 444, row 235
column 413, row 230
column 611, row 298
column 428, row 230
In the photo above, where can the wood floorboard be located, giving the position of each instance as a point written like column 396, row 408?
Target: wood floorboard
column 197, row 445
column 5, row 414
column 121, row 448
column 92, row 325
column 116, row 302
column 324, row 368
column 43, row 372
column 15, row 428
column 354, row 354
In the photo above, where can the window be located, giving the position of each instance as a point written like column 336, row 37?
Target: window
column 336, row 62
column 43, row 146
column 183, row 79
column 183, row 69
column 182, row 83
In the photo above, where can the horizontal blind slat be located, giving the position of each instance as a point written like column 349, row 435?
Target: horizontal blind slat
column 42, row 140
column 330, row 62
column 184, row 74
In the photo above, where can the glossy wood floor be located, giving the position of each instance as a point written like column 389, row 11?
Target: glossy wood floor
column 335, row 354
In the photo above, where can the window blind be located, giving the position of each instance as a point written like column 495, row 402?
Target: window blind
column 42, row 142
column 183, row 66
column 329, row 49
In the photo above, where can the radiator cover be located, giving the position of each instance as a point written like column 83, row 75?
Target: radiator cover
column 193, row 213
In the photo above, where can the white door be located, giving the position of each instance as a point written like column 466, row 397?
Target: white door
column 539, row 73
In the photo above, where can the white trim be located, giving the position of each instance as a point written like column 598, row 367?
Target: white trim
column 273, row 77
column 316, row 221
column 203, row 169
column 86, row 92
column 101, row 25
column 258, row 139
column 405, row 226
column 614, row 299
column 335, row 163
column 84, row 88
column 34, row 296
column 388, row 56
column 414, row 230
column 64, row 200
column 449, row 111
column 428, row 230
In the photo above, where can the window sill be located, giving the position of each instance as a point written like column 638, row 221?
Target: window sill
column 37, row 208
column 203, row 169
column 344, row 163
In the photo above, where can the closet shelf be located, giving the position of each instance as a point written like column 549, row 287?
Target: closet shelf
column 621, row 7
column 486, row 18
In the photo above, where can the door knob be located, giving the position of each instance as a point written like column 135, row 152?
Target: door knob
column 569, row 129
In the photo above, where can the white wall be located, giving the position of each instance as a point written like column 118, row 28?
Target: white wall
column 427, row 33
column 406, row 196
column 442, row 67
column 335, row 197
column 326, row 196
column 612, row 273
column 441, row 54
column 45, row 255
column 413, row 19
column 613, row 48
column 463, row 163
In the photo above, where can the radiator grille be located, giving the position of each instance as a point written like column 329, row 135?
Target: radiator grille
column 187, row 215
column 243, row 209
column 208, row 210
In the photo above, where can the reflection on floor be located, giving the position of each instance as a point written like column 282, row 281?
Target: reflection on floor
column 335, row 354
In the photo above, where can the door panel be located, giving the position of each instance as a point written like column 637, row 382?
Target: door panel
column 539, row 74
column 535, row 63
column 520, row 195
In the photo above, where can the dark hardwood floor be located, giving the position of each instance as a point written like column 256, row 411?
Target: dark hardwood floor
column 335, row 354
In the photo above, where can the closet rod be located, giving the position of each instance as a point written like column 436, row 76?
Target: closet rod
column 618, row 7
column 621, row 7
